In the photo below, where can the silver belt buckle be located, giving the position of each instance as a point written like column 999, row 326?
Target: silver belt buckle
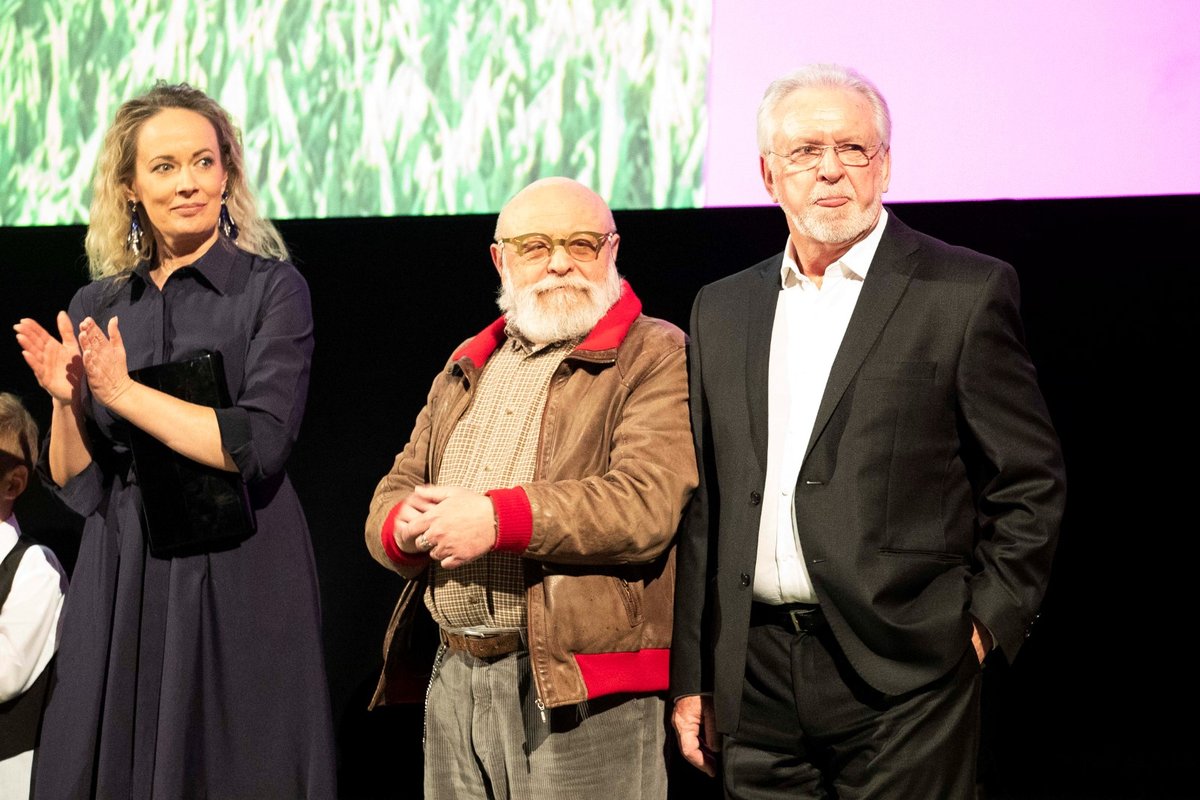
column 801, row 619
column 477, row 633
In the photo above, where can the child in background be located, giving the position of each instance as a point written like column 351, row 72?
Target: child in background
column 32, row 585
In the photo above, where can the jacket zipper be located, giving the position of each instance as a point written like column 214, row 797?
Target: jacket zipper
column 537, row 681
column 537, row 475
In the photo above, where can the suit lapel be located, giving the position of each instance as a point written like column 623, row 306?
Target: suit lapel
column 891, row 269
column 760, row 319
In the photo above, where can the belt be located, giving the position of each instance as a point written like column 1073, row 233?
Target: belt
column 797, row 617
column 489, row 646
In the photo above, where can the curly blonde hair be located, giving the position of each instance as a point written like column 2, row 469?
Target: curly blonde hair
column 108, row 253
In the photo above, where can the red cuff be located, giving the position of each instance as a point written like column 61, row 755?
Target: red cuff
column 388, row 538
column 514, row 519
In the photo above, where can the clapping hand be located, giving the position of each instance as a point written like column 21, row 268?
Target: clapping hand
column 57, row 364
column 104, row 360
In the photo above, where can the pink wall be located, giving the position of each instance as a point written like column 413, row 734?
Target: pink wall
column 989, row 99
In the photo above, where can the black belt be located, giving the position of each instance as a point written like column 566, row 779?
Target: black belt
column 796, row 617
column 489, row 646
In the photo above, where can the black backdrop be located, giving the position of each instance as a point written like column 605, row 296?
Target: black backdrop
column 1100, row 704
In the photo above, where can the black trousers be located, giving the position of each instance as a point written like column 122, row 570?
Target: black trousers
column 811, row 728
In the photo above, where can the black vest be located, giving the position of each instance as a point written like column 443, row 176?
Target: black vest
column 21, row 717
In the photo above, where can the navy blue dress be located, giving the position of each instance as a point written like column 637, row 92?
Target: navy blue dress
column 199, row 676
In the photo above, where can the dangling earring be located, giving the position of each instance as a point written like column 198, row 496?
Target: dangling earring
column 134, row 239
column 228, row 226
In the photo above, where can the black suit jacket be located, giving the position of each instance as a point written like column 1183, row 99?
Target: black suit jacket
column 932, row 488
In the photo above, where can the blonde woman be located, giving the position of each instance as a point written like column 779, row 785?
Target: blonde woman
column 194, row 675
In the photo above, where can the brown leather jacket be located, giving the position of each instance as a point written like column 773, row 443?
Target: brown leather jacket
column 596, row 526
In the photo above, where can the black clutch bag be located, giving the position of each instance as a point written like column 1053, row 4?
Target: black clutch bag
column 188, row 507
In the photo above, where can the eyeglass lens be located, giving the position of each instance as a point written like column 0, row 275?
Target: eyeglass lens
column 538, row 247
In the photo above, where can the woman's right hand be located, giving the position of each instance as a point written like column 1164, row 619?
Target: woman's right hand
column 56, row 363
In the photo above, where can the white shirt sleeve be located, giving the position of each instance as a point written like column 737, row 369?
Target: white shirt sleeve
column 29, row 621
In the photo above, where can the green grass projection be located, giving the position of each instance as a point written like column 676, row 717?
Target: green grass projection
column 369, row 107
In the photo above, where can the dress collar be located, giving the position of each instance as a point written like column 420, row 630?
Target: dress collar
column 213, row 268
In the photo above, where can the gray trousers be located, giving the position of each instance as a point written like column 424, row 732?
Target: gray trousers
column 485, row 737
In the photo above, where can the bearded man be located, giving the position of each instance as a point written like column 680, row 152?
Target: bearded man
column 537, row 501
column 881, row 487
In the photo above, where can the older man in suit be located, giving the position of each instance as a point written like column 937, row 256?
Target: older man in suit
column 881, row 488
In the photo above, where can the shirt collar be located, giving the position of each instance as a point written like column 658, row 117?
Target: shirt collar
column 10, row 531
column 855, row 263
column 213, row 268
column 526, row 348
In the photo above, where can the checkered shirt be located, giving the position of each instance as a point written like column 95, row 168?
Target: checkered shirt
column 494, row 446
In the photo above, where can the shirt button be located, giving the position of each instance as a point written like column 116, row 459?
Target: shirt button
column 755, row 498
column 745, row 579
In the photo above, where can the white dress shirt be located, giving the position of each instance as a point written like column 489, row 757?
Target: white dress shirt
column 810, row 322
column 28, row 637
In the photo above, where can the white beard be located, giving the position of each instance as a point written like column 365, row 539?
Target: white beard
column 557, row 309
column 850, row 227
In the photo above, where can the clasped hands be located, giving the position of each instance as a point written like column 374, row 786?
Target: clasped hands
column 60, row 364
column 453, row 525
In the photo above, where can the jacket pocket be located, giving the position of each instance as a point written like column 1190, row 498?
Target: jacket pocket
column 923, row 555
column 631, row 598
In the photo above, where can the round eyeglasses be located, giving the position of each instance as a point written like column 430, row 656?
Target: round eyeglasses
column 808, row 156
column 532, row 248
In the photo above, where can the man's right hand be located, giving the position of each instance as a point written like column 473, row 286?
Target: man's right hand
column 411, row 509
column 695, row 726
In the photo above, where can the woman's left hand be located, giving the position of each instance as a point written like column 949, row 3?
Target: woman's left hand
column 104, row 361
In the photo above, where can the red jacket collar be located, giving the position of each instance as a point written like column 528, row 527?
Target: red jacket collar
column 608, row 334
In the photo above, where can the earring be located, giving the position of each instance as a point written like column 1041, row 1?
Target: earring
column 228, row 226
column 134, row 239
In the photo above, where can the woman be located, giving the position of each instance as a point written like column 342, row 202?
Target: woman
column 196, row 675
